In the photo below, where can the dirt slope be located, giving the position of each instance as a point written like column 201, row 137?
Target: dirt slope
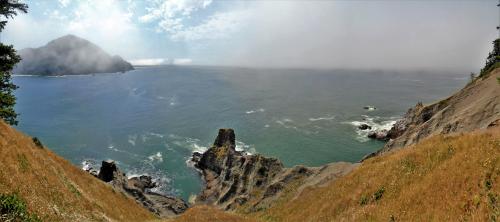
column 55, row 189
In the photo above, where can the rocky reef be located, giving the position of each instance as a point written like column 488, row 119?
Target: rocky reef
column 139, row 189
column 252, row 182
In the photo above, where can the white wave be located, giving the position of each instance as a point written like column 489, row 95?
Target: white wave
column 173, row 101
column 261, row 110
column 322, row 118
column 132, row 139
column 156, row 157
column 377, row 123
column 242, row 147
column 266, row 126
column 22, row 75
column 189, row 143
column 157, row 135
column 89, row 164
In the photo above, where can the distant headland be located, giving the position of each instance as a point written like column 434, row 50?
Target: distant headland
column 69, row 55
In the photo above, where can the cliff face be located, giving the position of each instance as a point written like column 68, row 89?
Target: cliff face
column 476, row 106
column 69, row 55
column 252, row 182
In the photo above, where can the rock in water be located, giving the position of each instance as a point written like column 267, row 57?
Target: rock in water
column 379, row 135
column 137, row 188
column 233, row 178
column 108, row 171
column 364, row 127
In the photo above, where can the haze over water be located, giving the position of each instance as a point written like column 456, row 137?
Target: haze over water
column 151, row 119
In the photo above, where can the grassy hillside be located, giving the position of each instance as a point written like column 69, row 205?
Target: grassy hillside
column 54, row 189
column 443, row 178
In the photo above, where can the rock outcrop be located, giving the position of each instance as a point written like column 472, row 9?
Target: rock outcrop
column 69, row 55
column 252, row 182
column 476, row 106
column 138, row 189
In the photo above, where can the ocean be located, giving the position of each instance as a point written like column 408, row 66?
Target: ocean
column 150, row 120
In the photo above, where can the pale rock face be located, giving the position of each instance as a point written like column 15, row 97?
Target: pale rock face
column 233, row 178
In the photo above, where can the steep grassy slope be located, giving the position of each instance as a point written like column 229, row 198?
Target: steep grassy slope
column 443, row 178
column 56, row 190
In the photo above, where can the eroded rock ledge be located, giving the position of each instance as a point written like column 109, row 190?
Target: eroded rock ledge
column 138, row 189
column 252, row 182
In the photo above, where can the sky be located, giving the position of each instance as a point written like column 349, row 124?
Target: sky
column 398, row 35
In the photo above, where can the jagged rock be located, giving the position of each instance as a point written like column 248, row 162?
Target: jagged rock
column 234, row 179
column 379, row 135
column 142, row 182
column 364, row 127
column 494, row 123
column 108, row 171
column 138, row 188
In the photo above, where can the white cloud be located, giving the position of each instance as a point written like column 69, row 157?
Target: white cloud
column 171, row 13
column 150, row 62
column 161, row 61
column 172, row 18
column 218, row 26
column 64, row 3
column 183, row 61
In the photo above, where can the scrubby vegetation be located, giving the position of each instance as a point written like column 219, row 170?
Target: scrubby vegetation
column 493, row 59
column 13, row 208
column 37, row 142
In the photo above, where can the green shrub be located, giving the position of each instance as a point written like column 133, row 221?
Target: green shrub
column 13, row 208
column 493, row 59
column 377, row 195
column 364, row 200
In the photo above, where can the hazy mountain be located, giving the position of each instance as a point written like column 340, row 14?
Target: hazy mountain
column 69, row 55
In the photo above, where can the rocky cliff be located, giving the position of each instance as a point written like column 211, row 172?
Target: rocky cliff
column 476, row 106
column 252, row 182
column 138, row 188
column 69, row 55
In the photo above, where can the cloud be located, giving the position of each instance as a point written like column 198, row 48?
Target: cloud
column 183, row 61
column 150, row 62
column 108, row 23
column 365, row 35
column 64, row 3
column 171, row 14
column 218, row 26
column 161, row 61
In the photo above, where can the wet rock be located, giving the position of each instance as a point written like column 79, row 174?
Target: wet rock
column 364, row 127
column 379, row 135
column 142, row 182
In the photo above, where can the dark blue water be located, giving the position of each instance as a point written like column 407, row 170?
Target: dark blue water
column 150, row 120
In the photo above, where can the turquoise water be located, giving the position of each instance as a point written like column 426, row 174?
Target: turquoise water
column 150, row 120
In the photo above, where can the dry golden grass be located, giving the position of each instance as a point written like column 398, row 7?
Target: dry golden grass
column 210, row 214
column 443, row 178
column 56, row 190
column 454, row 178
